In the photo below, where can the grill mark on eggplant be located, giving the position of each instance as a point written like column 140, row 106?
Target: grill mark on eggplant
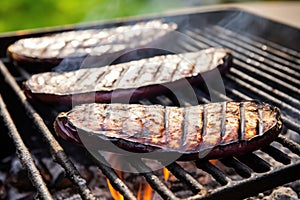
column 260, row 120
column 146, row 72
column 137, row 74
column 204, row 119
column 145, row 125
column 166, row 124
column 157, row 70
column 104, row 80
column 107, row 114
column 242, row 121
column 99, row 77
column 122, row 74
column 232, row 122
column 184, row 128
column 83, row 77
column 223, row 122
column 175, row 69
column 144, row 136
column 116, row 80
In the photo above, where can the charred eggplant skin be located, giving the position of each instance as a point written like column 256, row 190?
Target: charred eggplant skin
column 208, row 131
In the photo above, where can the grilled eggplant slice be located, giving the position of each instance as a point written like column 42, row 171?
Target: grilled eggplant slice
column 219, row 129
column 132, row 80
column 101, row 46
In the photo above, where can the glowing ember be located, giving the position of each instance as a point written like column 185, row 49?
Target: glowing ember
column 145, row 194
column 166, row 174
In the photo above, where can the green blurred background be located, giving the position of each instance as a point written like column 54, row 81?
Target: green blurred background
column 29, row 14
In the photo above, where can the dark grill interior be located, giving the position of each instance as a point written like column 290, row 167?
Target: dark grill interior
column 266, row 67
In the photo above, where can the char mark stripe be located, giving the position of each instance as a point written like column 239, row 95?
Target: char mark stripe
column 242, row 121
column 184, row 127
column 223, row 120
column 204, row 118
column 260, row 120
column 106, row 114
column 166, row 123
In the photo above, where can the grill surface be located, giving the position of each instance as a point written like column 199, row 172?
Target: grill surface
column 267, row 67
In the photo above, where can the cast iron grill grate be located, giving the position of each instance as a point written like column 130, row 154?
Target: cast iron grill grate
column 263, row 70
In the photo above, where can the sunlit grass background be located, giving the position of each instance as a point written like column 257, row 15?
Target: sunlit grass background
column 29, row 14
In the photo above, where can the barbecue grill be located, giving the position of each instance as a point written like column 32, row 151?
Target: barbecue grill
column 266, row 67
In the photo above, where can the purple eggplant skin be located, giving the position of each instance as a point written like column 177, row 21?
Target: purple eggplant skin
column 212, row 131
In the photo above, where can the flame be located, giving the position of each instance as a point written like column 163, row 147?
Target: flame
column 166, row 174
column 114, row 193
column 147, row 194
column 139, row 194
column 213, row 161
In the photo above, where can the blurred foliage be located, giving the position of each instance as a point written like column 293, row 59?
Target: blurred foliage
column 28, row 14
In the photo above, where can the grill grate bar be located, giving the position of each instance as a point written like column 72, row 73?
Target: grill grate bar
column 214, row 171
column 260, row 68
column 56, row 150
column 153, row 180
column 264, row 94
column 283, row 79
column 285, row 83
column 185, row 177
column 257, row 183
column 254, row 162
column 24, row 154
column 197, row 34
column 277, row 154
column 163, row 100
column 240, row 168
column 259, row 84
column 201, row 96
column 271, row 46
column 269, row 55
column 293, row 146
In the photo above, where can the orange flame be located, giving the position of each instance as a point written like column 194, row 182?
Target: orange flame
column 139, row 194
column 147, row 194
column 166, row 174
column 213, row 161
column 114, row 193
